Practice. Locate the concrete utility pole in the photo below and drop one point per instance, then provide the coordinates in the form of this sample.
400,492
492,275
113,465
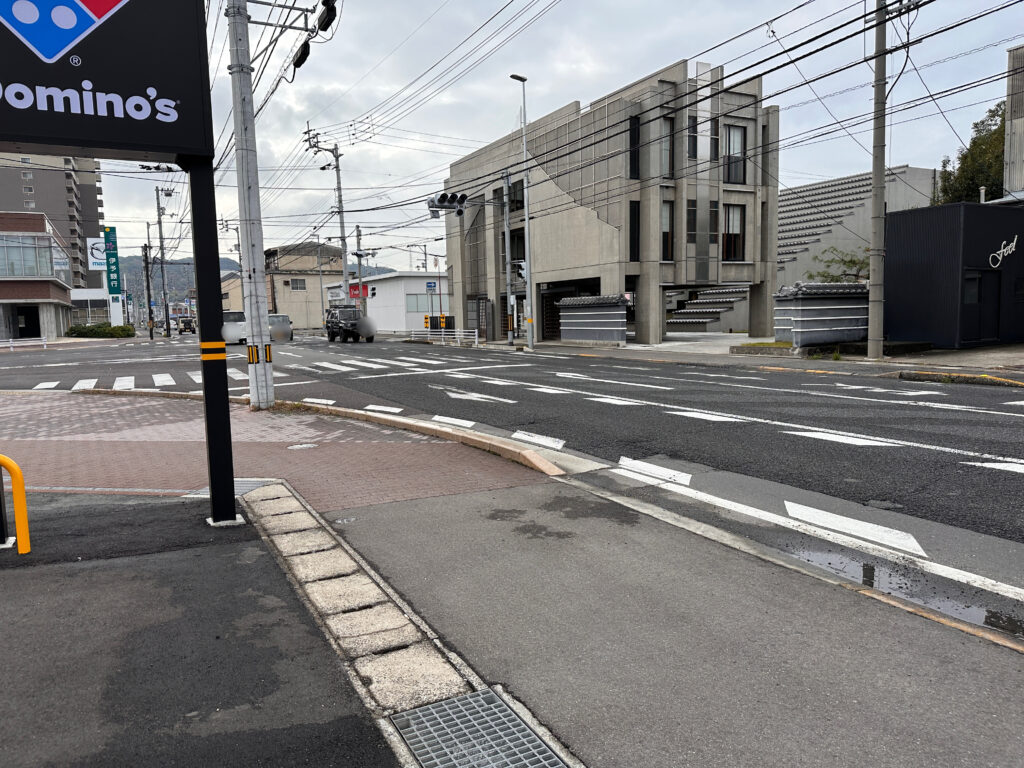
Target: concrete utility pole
510,297
149,290
876,281
261,375
163,257
313,142
320,269
359,260
527,272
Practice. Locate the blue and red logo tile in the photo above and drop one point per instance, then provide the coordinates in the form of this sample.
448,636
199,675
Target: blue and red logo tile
51,28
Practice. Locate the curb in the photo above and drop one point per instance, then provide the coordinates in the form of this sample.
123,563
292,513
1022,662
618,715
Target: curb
957,378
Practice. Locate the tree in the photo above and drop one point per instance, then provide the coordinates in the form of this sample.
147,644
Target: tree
841,266
979,165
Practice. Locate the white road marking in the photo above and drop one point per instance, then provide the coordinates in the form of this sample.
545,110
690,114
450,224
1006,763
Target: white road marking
550,391
461,376
287,354
674,487
317,401
196,376
879,390
1009,466
547,442
383,408
236,374
421,361
329,366
613,401
703,416
1015,402
124,383
889,537
452,420
476,396
662,473
679,521
396,361
279,375
361,363
849,440
46,385
720,375
499,383
306,368
84,384
163,380
447,373
609,381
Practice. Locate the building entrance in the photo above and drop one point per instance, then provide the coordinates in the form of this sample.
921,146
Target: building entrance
27,323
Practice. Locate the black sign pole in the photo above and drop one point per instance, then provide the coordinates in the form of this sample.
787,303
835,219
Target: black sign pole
212,349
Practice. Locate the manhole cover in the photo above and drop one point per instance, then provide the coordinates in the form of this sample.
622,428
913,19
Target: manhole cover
477,730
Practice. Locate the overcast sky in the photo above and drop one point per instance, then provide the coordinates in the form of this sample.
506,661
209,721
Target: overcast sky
569,50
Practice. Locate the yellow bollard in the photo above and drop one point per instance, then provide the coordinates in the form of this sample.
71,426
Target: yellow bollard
20,504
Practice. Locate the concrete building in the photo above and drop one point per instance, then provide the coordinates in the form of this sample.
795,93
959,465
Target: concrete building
35,278
1013,146
398,301
660,190
297,278
68,190
814,218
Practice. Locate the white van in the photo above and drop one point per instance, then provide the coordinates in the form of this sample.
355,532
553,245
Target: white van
233,330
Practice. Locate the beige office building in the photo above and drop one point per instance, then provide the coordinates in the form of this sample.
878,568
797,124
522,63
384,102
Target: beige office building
665,190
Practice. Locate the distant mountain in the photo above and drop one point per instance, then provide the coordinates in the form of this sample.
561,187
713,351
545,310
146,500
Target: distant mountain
179,272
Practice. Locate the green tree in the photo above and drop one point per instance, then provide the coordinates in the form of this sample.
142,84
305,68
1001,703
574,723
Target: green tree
980,165
841,266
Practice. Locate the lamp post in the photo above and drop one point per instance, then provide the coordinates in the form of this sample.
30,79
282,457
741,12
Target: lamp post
528,305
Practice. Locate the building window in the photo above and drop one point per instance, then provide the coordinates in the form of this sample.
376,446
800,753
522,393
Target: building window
691,221
30,204
634,147
668,154
667,217
691,137
735,152
634,230
298,283
26,175
713,222
516,201
735,229
26,159
714,138
24,256
225,296
28,190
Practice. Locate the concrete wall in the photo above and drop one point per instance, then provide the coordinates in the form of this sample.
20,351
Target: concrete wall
1013,155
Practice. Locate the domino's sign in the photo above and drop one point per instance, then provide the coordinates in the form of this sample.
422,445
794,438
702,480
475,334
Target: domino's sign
108,78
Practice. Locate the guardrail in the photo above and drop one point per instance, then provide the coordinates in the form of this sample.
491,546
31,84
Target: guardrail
446,336
20,509
12,343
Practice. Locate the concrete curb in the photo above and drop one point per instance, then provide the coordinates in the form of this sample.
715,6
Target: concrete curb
239,400
940,377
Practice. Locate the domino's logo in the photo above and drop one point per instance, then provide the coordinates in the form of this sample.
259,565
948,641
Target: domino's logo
51,28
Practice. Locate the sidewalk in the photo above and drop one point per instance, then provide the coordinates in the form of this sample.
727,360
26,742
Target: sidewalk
136,635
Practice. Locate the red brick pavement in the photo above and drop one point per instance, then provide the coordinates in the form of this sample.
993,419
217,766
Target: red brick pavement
85,441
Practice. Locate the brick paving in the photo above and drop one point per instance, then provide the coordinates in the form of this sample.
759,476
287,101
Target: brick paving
64,440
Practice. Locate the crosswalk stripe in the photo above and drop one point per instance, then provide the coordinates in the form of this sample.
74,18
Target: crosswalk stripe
362,363
124,382
421,361
332,367
849,440
400,363
46,385
196,376
84,384
236,374
163,380
279,375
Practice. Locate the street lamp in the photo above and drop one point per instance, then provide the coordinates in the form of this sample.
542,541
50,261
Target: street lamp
528,306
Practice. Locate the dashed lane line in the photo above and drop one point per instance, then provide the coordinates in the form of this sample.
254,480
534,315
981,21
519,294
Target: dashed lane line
453,421
704,416
847,439
531,437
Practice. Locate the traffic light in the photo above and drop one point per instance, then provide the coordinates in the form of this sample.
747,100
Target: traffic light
453,201
301,55
519,270
373,291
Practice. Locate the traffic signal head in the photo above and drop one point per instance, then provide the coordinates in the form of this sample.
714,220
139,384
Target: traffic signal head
454,201
301,55
373,291
327,15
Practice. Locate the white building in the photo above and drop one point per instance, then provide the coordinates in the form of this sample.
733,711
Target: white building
398,301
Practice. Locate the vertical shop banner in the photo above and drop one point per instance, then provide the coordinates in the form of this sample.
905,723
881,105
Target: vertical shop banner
114,286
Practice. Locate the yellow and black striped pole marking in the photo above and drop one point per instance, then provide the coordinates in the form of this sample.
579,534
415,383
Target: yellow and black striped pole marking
213,350
266,353
254,354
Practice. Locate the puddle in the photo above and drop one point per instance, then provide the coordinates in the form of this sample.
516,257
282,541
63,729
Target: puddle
950,598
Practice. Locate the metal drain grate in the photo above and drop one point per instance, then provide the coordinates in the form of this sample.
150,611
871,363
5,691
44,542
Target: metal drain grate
242,486
477,730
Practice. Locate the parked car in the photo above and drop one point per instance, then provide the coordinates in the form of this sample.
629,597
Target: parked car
186,324
281,328
233,330
347,322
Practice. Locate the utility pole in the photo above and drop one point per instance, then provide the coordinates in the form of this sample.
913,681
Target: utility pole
320,269
510,297
876,282
359,261
261,380
163,257
313,143
527,272
147,255
426,269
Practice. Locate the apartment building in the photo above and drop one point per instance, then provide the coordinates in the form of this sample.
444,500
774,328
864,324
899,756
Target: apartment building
665,190
35,277
835,214
68,190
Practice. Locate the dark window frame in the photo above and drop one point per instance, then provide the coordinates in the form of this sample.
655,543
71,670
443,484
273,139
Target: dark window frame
691,221
634,230
734,163
634,147
668,147
734,243
691,137
668,237
713,221
516,199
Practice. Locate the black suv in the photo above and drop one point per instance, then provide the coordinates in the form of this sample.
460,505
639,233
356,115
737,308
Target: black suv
346,323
